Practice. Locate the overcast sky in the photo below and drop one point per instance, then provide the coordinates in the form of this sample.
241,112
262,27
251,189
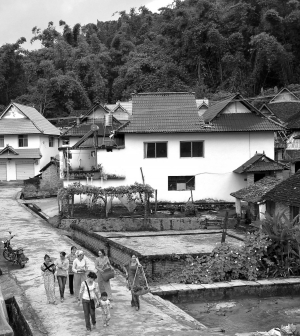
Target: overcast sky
18,17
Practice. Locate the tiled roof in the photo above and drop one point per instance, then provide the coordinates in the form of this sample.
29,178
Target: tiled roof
243,122
82,129
294,121
54,161
164,112
17,126
215,109
259,162
286,192
78,113
23,153
284,110
38,120
126,105
256,191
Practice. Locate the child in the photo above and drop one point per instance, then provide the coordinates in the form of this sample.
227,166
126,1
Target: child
105,305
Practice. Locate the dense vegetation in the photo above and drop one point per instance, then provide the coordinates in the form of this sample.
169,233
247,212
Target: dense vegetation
208,46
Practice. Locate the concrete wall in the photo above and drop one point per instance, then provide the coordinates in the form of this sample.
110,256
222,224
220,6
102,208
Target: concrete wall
223,153
136,224
5,329
51,178
46,151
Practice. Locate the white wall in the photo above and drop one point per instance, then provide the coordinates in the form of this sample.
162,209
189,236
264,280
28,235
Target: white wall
13,140
236,107
223,153
46,151
285,96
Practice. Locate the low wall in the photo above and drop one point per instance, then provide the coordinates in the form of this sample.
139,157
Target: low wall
17,319
138,224
155,267
5,329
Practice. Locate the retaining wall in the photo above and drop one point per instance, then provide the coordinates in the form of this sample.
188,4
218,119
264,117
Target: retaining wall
155,267
138,224
5,329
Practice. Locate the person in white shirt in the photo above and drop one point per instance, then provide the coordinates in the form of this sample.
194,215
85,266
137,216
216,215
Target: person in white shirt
79,268
89,292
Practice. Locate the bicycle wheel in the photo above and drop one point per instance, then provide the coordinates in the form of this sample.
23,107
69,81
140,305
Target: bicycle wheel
7,255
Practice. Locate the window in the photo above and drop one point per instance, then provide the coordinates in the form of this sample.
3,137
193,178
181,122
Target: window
181,183
191,149
1,140
155,150
51,141
66,142
23,140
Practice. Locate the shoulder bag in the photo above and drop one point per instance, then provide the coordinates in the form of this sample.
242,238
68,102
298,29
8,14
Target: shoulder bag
92,301
138,290
108,273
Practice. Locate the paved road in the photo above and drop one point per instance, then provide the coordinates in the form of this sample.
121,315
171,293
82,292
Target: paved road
66,319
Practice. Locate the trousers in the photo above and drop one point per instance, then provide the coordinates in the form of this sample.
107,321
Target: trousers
89,314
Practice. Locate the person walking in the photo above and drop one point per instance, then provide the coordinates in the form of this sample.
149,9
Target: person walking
71,257
48,270
62,266
89,292
133,279
105,306
101,264
79,268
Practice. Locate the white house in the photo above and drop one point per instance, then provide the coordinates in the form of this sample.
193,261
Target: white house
27,142
178,151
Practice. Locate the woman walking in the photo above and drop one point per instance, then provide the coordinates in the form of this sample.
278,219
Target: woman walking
88,293
79,268
101,264
71,257
133,279
48,270
62,266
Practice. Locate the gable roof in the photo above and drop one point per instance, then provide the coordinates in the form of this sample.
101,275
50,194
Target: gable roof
163,112
214,110
279,93
36,123
126,106
284,111
91,110
258,163
8,149
256,192
22,153
286,192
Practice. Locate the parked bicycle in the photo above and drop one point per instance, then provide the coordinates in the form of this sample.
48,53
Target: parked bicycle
16,256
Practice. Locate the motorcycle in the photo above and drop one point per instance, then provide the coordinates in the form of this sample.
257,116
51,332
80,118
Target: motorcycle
15,256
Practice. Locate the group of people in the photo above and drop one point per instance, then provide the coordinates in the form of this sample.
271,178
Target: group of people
88,292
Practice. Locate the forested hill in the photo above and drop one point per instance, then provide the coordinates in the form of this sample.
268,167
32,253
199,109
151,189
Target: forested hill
206,46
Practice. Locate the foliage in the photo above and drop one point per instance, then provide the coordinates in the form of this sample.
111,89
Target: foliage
227,262
210,47
189,209
283,255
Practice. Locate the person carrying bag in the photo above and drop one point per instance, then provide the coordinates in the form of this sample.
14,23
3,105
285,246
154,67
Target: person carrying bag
89,293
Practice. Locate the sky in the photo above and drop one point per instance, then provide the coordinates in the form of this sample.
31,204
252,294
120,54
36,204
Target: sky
18,17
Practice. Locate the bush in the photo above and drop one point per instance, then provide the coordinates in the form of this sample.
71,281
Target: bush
227,262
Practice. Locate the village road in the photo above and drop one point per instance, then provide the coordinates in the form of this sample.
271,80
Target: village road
66,319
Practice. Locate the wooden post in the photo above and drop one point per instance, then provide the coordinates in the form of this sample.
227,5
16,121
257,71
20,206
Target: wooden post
105,207
155,195
143,178
145,205
192,199
72,206
225,228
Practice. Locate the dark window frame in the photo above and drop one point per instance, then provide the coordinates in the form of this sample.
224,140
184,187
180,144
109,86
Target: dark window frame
191,149
188,179
23,140
1,140
155,143
66,142
51,141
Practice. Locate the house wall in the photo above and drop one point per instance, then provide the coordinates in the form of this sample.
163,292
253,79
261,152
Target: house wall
46,151
236,107
223,153
13,140
284,97
279,208
51,178
11,167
